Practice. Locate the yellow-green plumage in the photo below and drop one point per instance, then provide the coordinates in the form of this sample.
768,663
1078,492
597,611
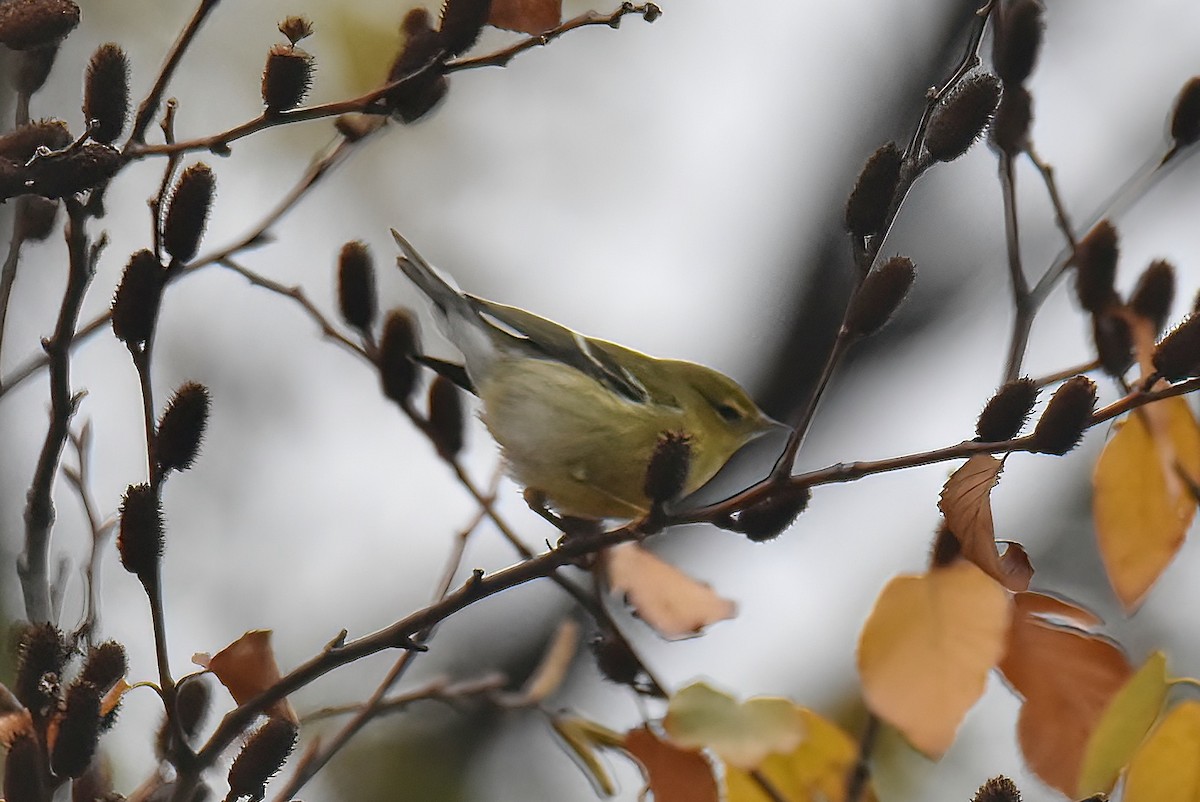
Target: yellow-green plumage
578,419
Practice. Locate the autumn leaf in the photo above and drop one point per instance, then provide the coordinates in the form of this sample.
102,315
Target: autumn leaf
1165,769
673,774
552,670
966,501
247,667
1141,507
667,599
526,16
742,734
1124,725
1067,677
815,771
582,738
926,650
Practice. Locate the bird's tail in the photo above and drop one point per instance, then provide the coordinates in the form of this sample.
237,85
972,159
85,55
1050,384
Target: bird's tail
458,318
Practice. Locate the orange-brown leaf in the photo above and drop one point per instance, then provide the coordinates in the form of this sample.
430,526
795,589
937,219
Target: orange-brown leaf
1142,507
926,650
966,501
1067,677
667,599
673,774
526,16
247,667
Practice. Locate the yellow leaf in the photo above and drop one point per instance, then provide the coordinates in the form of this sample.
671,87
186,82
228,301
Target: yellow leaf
581,738
926,650
1166,768
1141,507
1067,677
741,733
673,774
966,501
1129,716
815,771
673,603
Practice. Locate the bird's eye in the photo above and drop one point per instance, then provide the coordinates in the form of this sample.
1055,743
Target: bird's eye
729,413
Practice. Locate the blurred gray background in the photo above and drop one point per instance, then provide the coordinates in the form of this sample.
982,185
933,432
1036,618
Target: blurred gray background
677,187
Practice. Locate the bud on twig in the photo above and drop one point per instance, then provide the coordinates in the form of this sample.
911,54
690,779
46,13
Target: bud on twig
880,295
135,303
998,789
26,24
1185,120
23,770
141,538
1066,417
397,371
445,417
192,701
1154,293
187,212
21,143
415,98
41,656
666,474
78,731
1015,48
867,207
462,20
75,170
1006,413
767,519
1010,127
962,117
615,659
1095,261
296,28
35,217
106,93
33,68
1177,357
1114,343
105,665
182,428
287,77
356,286
263,755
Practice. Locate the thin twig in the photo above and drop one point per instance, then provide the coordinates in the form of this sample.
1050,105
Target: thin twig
8,273
1023,310
149,106
33,564
860,772
648,11
438,690
80,479
320,167
315,760
766,786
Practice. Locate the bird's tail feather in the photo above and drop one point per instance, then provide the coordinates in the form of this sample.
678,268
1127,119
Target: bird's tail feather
456,315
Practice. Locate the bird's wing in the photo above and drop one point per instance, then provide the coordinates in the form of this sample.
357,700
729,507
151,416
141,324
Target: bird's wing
545,339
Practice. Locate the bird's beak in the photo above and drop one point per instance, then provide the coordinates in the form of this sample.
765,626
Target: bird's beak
768,425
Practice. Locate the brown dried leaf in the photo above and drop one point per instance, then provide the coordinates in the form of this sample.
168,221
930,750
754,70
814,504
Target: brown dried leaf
526,16
670,601
672,774
1067,677
247,667
966,501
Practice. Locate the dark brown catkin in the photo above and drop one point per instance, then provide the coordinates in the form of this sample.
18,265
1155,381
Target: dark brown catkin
356,286
1017,42
262,756
140,538
462,20
869,201
962,117
287,77
78,731
425,84
1154,293
135,303
1095,261
446,423
1010,127
106,93
1007,411
998,789
1066,417
881,293
181,429
1185,118
397,346
187,212
27,24
1177,356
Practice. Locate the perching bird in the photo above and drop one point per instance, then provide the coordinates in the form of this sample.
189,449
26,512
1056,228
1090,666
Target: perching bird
578,419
